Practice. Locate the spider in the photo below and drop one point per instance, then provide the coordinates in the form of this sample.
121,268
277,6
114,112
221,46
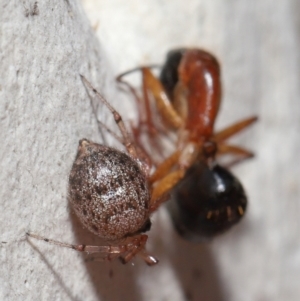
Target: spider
206,199
112,195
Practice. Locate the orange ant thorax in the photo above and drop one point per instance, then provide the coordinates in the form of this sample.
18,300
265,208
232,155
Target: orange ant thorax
199,75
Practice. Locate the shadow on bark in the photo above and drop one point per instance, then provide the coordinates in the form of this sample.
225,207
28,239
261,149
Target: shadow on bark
196,270
111,280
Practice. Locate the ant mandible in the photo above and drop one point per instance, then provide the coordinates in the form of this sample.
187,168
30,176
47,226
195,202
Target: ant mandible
206,199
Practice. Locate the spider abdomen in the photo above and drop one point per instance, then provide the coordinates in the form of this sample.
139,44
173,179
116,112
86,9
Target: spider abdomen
108,191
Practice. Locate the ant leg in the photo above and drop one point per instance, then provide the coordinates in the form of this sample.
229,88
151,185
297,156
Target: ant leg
164,106
120,76
118,119
243,154
164,168
161,190
224,148
165,110
183,158
233,149
166,180
152,86
233,129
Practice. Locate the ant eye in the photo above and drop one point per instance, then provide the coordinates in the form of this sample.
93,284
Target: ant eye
207,202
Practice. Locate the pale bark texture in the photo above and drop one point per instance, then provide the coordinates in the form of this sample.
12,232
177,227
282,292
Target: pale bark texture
45,110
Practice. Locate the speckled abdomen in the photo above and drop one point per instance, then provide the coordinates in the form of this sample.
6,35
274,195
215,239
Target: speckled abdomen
107,191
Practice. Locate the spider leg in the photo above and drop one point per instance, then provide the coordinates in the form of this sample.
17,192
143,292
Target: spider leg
117,117
131,247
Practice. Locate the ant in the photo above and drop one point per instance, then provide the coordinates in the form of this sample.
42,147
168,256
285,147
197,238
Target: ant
206,199
111,193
